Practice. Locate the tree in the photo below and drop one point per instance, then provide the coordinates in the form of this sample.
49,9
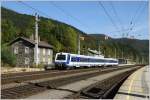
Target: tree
7,56
8,31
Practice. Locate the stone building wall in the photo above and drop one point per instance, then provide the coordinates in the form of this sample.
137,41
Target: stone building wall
21,55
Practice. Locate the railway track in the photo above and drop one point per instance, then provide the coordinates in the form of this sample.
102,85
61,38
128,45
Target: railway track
21,77
105,89
26,76
31,88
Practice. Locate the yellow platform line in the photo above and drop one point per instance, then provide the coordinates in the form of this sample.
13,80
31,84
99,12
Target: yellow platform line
130,86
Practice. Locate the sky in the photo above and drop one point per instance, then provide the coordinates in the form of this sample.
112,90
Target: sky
113,18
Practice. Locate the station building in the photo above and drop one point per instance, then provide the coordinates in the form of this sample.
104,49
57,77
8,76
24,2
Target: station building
23,48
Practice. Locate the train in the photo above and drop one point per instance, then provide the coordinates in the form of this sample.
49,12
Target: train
71,61
122,61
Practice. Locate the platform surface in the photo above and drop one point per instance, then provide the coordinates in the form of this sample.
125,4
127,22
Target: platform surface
136,87
68,89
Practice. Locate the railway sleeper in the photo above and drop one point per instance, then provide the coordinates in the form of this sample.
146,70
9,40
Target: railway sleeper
36,87
52,87
101,90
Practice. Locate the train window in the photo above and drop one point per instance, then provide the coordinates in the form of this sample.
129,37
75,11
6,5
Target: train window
61,57
84,59
112,61
92,60
99,60
81,59
106,61
73,59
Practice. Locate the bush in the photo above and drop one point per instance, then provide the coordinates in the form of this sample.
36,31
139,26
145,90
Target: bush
39,66
23,70
7,56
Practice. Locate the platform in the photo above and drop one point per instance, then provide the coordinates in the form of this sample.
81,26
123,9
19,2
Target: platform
136,86
65,90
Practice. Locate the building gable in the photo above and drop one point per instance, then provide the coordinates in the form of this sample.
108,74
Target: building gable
32,42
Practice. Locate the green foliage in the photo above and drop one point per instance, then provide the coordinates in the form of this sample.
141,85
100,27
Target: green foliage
8,31
58,34
64,37
7,56
39,66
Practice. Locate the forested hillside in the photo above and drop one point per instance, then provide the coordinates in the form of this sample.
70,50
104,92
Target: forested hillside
64,37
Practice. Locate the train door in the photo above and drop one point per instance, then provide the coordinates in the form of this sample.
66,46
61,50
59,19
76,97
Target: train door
68,58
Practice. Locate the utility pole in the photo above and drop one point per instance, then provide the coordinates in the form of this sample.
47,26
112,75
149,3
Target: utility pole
99,47
122,54
142,59
36,40
115,53
78,43
137,60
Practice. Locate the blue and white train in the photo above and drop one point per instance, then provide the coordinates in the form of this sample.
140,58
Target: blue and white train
69,61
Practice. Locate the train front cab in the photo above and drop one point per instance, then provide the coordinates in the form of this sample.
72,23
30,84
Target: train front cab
62,61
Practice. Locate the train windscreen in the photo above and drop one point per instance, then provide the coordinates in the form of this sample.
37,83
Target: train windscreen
61,57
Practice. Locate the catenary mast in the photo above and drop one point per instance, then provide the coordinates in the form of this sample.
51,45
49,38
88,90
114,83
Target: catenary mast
36,40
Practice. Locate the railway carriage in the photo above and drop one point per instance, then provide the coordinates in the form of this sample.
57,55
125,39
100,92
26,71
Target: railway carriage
68,61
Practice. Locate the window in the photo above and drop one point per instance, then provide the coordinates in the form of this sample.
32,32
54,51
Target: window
96,60
43,59
49,60
26,50
84,60
27,60
61,57
49,52
73,59
112,61
43,51
16,50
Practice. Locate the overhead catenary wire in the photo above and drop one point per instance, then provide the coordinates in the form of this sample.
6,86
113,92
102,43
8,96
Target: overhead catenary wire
132,22
117,17
74,18
136,18
36,10
43,13
135,14
110,18
140,14
120,30
70,15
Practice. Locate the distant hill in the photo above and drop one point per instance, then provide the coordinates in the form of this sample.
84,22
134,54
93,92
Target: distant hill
140,47
55,32
99,36
64,37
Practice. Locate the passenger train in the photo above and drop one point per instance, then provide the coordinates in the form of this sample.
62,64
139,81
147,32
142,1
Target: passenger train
69,61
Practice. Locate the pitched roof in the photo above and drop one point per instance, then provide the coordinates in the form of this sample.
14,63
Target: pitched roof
40,43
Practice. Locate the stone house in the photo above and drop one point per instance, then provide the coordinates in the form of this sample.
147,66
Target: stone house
23,48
